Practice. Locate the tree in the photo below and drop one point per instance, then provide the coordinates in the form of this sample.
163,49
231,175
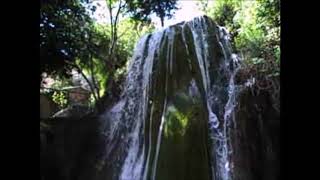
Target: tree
60,36
254,27
142,9
121,43
69,40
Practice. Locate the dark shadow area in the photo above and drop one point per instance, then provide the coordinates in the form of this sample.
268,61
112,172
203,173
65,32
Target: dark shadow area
68,148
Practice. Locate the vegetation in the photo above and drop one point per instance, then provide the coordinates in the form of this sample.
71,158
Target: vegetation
254,27
70,39
141,10
77,50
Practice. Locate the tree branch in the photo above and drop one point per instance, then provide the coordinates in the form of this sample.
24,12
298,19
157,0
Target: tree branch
61,90
53,89
114,24
93,77
111,20
87,80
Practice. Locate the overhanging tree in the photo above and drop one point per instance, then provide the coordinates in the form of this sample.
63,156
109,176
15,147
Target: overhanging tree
142,9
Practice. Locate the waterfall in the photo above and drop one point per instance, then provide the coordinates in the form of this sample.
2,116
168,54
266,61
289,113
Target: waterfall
176,114
219,129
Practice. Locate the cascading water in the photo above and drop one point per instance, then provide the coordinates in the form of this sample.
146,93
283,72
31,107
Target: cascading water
218,129
176,115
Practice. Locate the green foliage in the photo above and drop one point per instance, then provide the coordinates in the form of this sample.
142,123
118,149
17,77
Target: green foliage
125,44
176,122
56,92
141,10
60,98
250,35
64,30
61,82
254,28
129,38
71,40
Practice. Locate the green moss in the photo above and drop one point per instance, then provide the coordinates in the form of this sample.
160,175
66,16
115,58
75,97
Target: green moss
176,122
